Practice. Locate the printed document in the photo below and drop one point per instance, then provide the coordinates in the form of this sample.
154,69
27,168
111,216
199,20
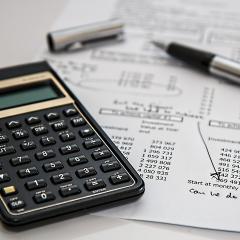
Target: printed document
178,127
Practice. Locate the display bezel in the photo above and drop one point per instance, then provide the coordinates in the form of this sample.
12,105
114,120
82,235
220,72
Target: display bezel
31,86
34,78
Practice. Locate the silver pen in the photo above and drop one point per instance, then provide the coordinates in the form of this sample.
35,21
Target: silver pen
206,61
84,35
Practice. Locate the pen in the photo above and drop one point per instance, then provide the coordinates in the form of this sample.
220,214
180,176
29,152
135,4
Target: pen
206,61
84,35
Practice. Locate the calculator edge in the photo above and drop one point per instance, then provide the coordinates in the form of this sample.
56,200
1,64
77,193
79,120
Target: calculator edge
60,212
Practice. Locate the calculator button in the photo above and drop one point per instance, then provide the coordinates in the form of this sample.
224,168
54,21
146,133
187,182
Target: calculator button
16,204
78,121
43,197
28,145
67,136
39,130
86,132
4,178
45,154
102,154
46,141
13,124
9,190
20,134
94,185
69,149
110,166
7,150
3,138
52,166
58,126
119,178
36,184
96,142
73,161
27,172
33,120
20,160
60,178
52,116
69,190
70,112
86,172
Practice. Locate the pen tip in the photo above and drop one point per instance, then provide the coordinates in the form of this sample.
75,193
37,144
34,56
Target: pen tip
161,44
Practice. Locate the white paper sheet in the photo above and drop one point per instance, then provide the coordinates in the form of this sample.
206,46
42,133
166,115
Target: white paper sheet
178,127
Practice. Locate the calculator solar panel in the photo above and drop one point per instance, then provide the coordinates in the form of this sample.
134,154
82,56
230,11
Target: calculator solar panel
54,157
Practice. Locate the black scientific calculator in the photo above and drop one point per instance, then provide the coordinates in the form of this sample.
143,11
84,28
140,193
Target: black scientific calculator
54,157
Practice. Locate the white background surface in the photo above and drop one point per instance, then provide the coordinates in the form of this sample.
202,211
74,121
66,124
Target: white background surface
23,26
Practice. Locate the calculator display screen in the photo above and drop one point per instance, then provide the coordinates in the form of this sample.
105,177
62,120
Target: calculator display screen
24,95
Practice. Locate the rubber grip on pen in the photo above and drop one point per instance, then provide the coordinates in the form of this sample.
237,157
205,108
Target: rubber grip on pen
197,58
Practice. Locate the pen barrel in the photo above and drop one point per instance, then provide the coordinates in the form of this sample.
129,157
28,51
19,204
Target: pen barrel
64,39
225,68
197,58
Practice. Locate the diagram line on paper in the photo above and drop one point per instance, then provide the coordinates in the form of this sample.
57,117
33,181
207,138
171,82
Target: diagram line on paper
215,174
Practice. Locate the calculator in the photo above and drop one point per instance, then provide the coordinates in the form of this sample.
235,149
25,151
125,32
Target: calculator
54,157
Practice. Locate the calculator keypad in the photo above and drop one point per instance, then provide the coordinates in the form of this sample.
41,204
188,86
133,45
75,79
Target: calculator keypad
43,197
52,166
27,172
4,178
46,141
52,116
6,150
69,190
9,190
16,204
92,143
13,124
102,154
20,160
86,172
46,154
53,156
20,134
28,145
40,130
3,138
33,120
36,184
69,149
77,160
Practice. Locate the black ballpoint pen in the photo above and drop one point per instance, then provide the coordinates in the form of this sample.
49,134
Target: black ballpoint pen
207,61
